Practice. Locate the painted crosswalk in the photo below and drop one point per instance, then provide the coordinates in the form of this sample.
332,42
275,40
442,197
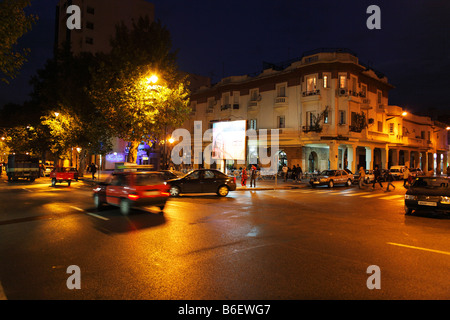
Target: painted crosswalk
369,194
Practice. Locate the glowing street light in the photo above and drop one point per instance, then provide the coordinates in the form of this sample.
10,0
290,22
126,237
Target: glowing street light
153,79
404,114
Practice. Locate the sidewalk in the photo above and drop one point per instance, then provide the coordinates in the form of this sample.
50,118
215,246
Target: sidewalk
260,184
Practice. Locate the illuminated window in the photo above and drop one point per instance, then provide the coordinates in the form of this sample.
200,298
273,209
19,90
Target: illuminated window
342,82
253,124
325,81
311,84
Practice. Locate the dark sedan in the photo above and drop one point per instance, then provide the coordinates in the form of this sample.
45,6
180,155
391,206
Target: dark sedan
203,181
429,194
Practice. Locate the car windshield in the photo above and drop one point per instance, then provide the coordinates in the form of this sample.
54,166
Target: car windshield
148,179
328,173
395,170
432,183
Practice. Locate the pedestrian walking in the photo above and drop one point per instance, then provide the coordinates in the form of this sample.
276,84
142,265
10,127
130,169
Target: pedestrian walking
406,175
294,173
389,179
93,170
253,175
362,177
244,177
285,172
377,178
299,173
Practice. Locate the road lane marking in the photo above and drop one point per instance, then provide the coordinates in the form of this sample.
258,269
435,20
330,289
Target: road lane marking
90,213
419,248
397,196
26,189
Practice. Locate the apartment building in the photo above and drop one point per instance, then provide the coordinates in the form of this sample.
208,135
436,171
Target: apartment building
331,111
98,21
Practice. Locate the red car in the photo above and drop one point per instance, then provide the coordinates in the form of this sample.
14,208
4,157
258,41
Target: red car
60,174
132,189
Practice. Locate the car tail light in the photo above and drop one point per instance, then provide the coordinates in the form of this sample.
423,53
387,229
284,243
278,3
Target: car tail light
133,197
234,178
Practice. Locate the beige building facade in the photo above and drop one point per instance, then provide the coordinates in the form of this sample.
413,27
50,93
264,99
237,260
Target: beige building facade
331,111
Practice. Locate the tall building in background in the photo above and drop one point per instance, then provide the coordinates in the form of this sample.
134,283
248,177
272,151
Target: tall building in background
98,21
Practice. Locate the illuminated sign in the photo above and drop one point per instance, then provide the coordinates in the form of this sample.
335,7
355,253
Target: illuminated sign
229,140
115,157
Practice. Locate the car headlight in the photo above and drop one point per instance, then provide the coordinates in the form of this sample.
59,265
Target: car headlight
410,197
445,200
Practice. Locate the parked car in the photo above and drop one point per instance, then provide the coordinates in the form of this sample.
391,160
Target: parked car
171,174
61,174
203,181
128,190
331,178
397,172
428,194
416,172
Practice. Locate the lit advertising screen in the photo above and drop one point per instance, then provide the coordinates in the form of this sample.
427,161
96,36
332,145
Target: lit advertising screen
229,140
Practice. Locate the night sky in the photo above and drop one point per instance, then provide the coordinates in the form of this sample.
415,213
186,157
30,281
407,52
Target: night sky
224,38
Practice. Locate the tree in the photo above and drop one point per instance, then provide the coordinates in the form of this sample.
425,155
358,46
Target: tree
135,108
14,23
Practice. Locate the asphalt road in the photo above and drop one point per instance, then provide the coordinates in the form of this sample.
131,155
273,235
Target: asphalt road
274,244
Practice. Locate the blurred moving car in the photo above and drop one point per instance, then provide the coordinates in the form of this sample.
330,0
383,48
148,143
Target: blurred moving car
428,194
203,181
129,190
331,178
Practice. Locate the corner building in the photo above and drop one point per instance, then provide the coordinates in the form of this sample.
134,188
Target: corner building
332,112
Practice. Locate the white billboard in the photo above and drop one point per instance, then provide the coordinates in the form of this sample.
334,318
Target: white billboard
229,140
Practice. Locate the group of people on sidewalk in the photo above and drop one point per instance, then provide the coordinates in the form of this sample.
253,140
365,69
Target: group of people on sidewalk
253,175
388,177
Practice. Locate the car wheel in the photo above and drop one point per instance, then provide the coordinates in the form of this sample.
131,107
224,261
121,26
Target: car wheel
331,184
125,207
349,183
408,211
97,202
68,183
53,182
223,191
174,191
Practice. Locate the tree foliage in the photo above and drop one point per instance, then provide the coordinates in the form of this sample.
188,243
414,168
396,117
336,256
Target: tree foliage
14,23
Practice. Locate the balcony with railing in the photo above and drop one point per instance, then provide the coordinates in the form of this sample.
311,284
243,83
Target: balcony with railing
281,102
311,95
